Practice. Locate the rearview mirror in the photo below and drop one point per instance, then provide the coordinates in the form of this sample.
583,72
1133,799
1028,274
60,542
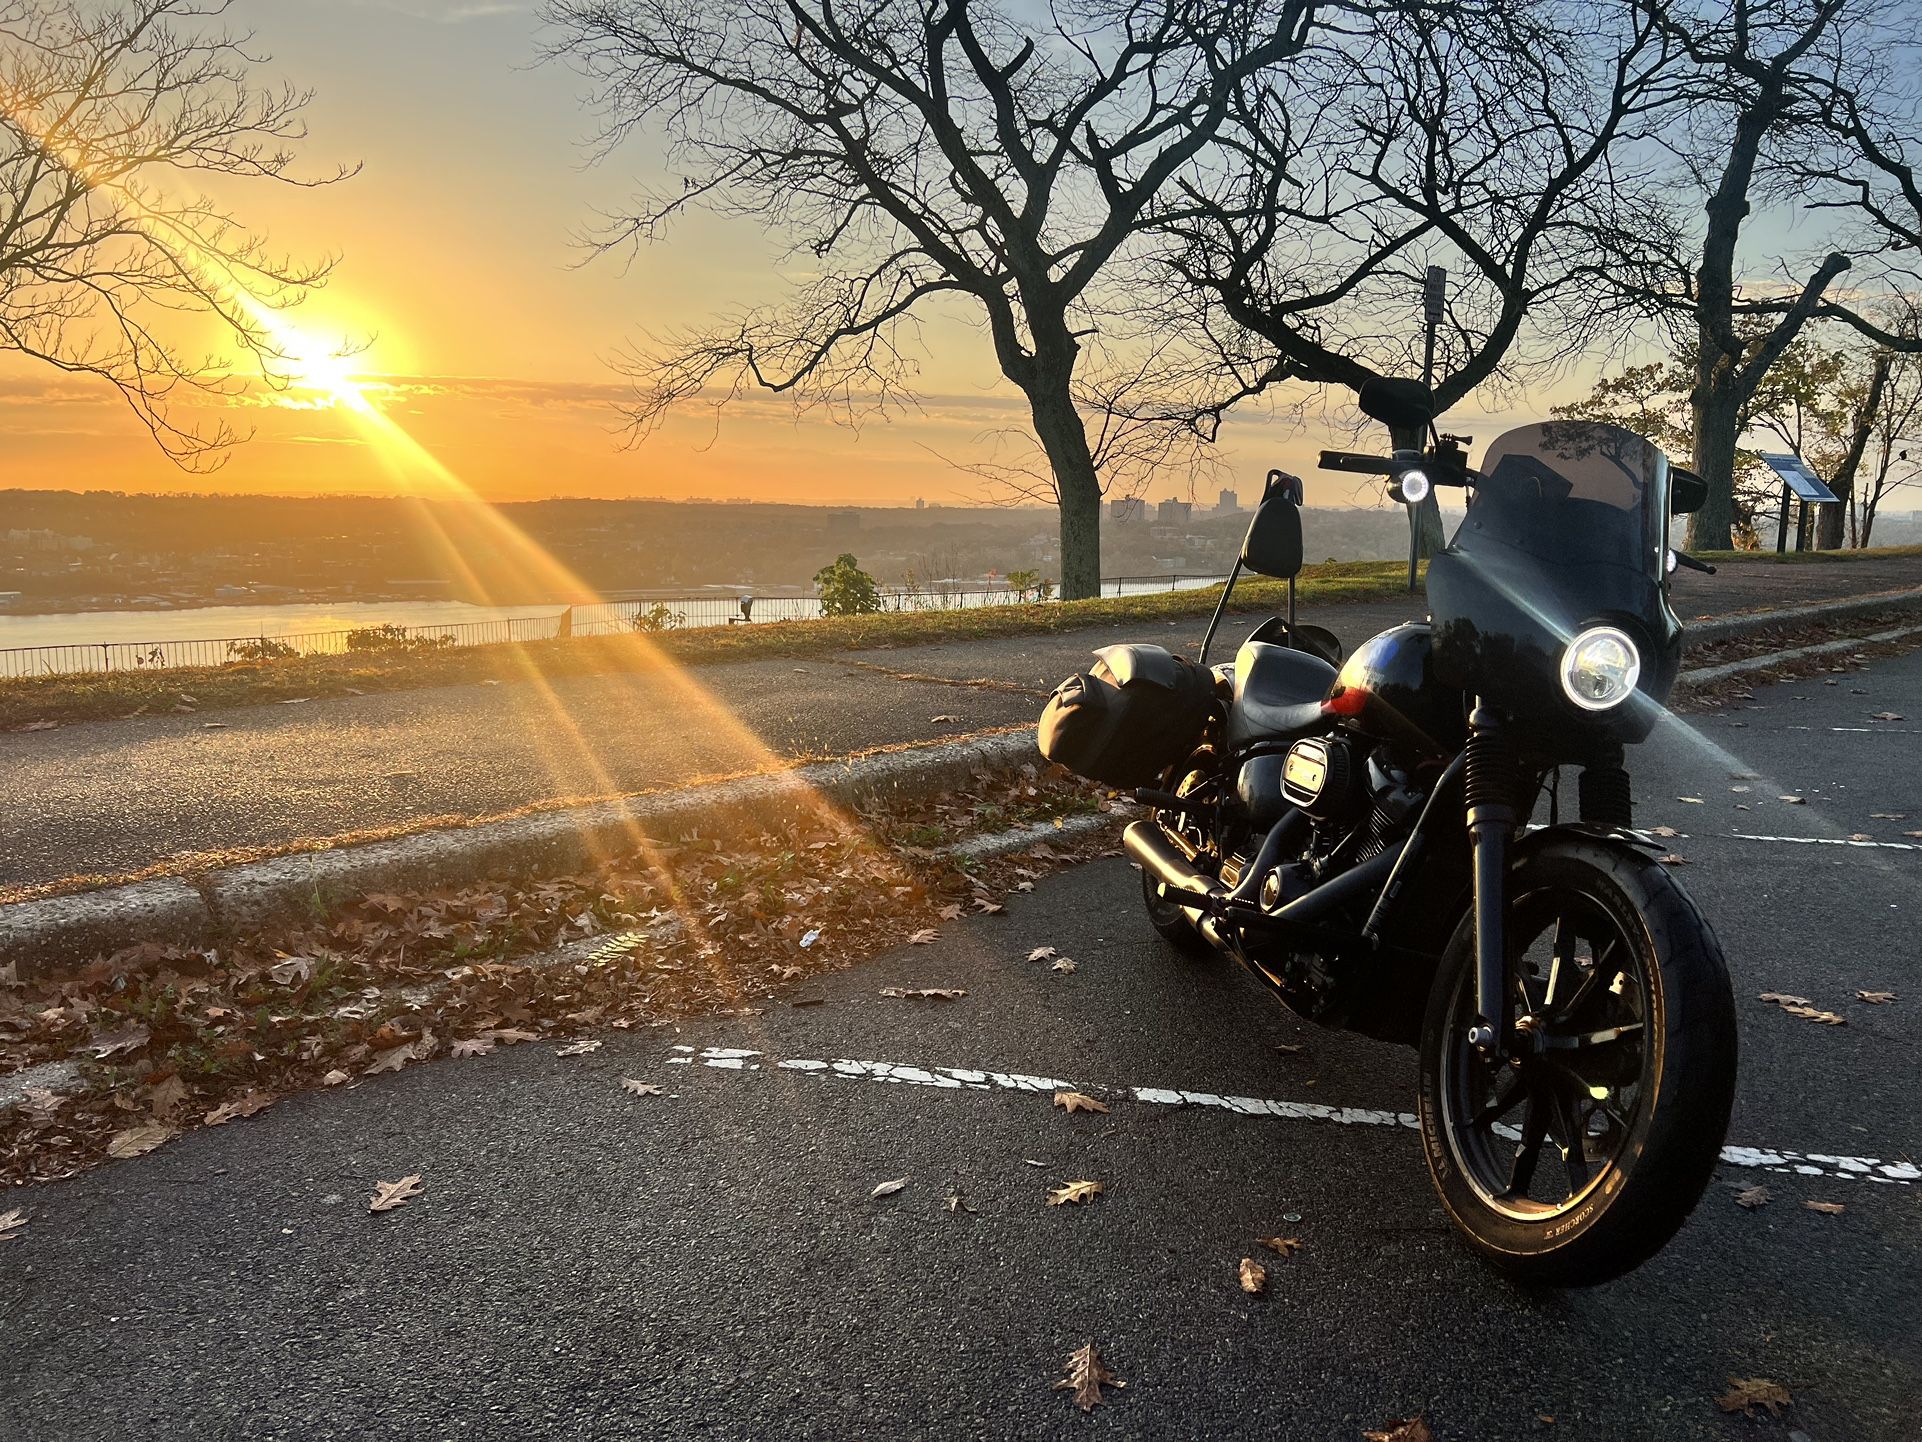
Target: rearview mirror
1272,546
1687,492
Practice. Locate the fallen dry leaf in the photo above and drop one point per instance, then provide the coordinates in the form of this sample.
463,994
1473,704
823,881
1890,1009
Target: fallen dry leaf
127,1038
241,1106
138,1141
888,1189
1831,1209
933,993
1286,1246
1913,833
1076,1192
1062,963
1816,1014
12,1224
511,1036
1401,1429
1884,716
1888,816
1794,800
1674,858
1254,1277
950,912
1692,800
388,1195
166,1097
472,1046
334,1078
1782,998
1665,832
1043,953
1752,1198
1288,1048
578,1048
1086,1377
1875,998
1860,836
955,1202
1747,1393
1078,1102
640,1088
927,936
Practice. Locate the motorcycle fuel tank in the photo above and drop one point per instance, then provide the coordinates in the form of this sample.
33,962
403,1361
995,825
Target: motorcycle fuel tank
1388,690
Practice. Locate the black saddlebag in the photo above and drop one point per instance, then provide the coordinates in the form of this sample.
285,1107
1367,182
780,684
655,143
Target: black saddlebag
1137,712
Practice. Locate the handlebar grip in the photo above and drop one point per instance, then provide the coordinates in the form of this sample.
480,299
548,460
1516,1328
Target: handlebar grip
1356,461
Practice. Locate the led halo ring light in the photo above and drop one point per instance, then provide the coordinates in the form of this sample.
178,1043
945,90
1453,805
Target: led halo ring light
1413,487
1599,668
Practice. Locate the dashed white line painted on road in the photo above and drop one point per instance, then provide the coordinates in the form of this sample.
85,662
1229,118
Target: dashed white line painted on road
1829,841
954,1078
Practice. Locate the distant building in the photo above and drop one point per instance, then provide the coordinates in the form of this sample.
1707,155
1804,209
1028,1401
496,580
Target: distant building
1177,513
919,504
1227,503
1131,508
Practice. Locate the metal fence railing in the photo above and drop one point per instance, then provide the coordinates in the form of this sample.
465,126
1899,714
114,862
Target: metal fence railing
599,619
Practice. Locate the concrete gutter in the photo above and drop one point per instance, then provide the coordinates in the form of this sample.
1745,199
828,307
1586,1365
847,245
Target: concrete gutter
48,937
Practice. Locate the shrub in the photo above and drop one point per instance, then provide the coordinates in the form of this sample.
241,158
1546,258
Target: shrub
657,617
261,648
1030,586
846,589
390,637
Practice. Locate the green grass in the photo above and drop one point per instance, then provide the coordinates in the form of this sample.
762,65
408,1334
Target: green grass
94,696
1806,558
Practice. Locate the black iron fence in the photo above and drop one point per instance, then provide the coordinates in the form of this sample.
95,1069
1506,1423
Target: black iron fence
599,619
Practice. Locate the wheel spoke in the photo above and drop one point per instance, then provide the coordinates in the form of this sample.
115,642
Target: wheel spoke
1572,1138
1590,1040
1562,956
1507,1091
1534,1132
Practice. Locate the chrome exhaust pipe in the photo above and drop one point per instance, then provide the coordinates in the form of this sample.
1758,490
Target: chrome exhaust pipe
1180,881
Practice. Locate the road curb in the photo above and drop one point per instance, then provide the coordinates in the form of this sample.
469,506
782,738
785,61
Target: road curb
41,939
1729,628
44,938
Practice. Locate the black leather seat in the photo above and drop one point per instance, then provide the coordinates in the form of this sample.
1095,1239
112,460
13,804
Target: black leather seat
1278,693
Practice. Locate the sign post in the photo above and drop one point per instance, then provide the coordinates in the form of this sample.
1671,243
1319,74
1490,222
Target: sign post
1804,487
1434,302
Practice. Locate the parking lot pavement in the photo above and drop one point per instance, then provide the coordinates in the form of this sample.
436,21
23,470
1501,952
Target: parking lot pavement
585,1262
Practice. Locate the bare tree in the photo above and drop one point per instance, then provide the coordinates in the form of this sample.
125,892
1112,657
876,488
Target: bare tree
1495,141
109,115
1779,99
911,150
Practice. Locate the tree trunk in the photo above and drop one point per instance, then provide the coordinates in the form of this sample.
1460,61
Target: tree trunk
1064,439
1829,535
1718,426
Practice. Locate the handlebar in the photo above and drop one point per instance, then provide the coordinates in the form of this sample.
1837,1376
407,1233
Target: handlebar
1682,558
1356,461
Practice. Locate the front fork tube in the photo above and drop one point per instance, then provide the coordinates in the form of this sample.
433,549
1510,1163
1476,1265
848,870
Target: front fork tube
1491,830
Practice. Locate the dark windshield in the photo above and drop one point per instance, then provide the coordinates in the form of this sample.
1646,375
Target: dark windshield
1573,492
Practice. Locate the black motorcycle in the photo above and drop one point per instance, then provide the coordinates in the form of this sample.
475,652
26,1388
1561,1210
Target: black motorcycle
1385,840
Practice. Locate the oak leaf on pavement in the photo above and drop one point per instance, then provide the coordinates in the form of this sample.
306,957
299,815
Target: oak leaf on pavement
637,1088
1833,1209
1875,998
389,1195
1745,1394
1286,1246
1086,1376
138,1141
1078,1102
1075,1192
1752,1198
12,1224
1254,1277
1401,1429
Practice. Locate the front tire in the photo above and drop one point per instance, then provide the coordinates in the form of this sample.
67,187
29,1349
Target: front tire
1578,1162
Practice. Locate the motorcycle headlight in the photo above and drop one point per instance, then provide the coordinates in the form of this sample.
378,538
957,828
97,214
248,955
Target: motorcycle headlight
1599,668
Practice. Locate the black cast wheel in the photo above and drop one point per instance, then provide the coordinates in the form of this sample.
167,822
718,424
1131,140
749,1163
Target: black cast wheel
1579,1157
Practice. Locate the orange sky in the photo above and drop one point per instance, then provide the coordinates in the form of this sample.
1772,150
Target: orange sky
486,340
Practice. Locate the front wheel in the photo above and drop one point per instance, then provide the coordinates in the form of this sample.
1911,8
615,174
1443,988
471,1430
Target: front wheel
1577,1159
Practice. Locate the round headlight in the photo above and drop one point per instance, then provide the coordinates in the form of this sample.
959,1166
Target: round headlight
1414,487
1599,668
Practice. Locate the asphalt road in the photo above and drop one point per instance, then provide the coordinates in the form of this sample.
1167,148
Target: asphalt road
112,797
588,1264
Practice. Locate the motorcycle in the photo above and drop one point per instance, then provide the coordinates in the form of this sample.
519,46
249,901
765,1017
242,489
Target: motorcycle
1360,833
